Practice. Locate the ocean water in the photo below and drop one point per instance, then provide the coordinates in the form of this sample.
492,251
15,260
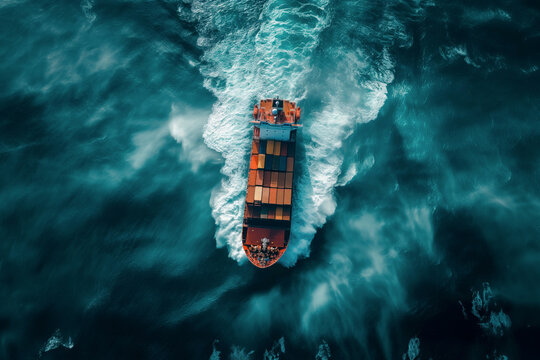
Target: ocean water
124,141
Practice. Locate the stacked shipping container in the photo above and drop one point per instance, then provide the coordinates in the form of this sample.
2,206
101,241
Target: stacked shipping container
270,180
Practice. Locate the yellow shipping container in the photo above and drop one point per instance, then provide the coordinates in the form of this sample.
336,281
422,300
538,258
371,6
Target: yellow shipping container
279,213
270,147
258,193
277,148
260,163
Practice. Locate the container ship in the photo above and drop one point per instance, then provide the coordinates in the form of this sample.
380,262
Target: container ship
268,208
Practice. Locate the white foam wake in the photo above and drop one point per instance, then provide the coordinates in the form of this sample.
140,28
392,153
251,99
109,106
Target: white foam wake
355,92
55,341
356,67
251,52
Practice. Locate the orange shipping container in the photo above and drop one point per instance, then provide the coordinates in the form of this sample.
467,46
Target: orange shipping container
265,195
255,147
270,147
288,180
253,162
277,148
260,164
259,179
279,199
274,181
258,193
250,194
252,177
279,213
287,197
290,163
273,196
281,180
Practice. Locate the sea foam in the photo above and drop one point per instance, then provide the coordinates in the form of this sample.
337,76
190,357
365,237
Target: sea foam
255,52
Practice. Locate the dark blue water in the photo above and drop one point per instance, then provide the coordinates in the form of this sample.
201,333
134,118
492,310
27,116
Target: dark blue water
124,139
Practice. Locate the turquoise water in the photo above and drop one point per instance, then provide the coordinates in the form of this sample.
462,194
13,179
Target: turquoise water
124,145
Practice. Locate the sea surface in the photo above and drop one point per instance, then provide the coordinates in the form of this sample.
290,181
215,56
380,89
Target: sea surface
124,145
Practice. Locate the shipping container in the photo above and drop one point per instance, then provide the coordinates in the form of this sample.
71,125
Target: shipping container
290,149
267,178
284,146
256,212
287,197
280,193
277,148
255,147
272,213
261,161
259,179
274,181
250,194
258,193
252,178
290,163
288,180
265,195
282,163
270,147
268,162
279,213
253,162
275,163
273,196
281,180
286,213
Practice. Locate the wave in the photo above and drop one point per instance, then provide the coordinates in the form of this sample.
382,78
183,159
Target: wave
493,322
354,90
55,341
87,8
413,350
240,353
324,352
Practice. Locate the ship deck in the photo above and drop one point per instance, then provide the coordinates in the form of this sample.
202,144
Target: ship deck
268,206
287,116
267,213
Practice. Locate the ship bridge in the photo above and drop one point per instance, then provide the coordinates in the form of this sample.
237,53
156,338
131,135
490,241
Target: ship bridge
276,119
